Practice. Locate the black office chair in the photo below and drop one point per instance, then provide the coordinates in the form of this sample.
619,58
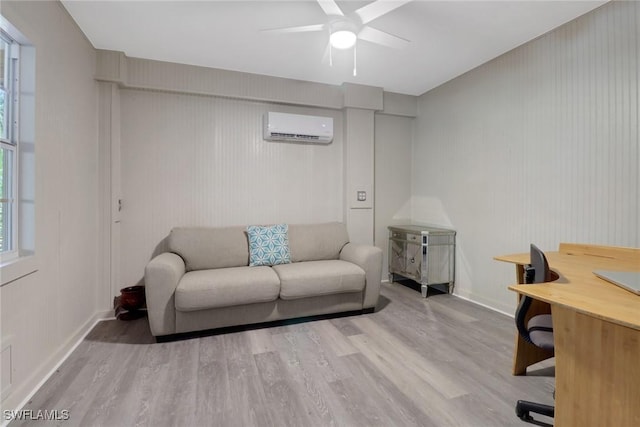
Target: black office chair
538,331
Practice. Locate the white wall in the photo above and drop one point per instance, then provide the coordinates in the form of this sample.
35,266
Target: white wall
190,160
45,312
539,145
188,142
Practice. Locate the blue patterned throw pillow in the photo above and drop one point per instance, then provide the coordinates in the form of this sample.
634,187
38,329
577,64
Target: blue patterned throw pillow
268,245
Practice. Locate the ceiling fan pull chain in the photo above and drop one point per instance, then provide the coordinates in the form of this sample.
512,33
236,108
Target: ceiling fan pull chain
355,46
330,49
330,56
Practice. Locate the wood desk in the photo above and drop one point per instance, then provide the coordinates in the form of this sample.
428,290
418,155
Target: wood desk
596,328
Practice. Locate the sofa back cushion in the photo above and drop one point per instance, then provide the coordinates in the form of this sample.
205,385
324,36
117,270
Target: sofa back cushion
207,247
203,248
315,242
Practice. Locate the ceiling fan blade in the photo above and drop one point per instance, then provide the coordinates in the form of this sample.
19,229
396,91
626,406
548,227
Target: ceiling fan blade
301,29
330,7
378,8
380,37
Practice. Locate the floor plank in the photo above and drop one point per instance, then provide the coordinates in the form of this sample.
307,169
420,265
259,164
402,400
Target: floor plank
440,361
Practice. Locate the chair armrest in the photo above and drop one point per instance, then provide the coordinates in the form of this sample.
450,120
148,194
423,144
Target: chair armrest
369,258
161,277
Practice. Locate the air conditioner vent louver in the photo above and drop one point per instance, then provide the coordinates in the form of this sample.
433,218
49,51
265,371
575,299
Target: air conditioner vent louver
297,128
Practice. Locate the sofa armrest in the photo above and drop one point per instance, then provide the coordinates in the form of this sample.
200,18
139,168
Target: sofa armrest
369,258
161,277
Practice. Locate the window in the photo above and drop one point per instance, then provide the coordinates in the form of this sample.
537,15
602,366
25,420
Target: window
8,145
17,154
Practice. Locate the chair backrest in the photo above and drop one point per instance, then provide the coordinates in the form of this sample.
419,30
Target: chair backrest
540,265
542,274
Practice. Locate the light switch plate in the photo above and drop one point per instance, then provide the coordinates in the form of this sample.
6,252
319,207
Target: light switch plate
362,196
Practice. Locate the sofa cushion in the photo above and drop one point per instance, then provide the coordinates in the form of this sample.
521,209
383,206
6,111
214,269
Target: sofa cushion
316,278
202,248
268,245
313,242
225,287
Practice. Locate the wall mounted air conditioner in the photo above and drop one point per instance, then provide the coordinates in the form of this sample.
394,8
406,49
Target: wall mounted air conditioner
297,128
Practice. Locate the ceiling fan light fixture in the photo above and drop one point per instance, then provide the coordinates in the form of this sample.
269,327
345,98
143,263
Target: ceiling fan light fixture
343,39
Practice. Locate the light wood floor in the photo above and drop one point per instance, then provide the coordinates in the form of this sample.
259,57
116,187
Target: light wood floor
439,361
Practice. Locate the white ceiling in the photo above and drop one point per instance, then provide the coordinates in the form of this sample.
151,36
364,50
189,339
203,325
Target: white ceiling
447,38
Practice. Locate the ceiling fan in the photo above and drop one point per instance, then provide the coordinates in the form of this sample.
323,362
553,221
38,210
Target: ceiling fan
345,30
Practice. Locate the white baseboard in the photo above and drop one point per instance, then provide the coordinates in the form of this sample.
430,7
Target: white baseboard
466,298
18,398
472,300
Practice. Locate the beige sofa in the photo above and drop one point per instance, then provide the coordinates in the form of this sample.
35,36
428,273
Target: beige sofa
205,280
